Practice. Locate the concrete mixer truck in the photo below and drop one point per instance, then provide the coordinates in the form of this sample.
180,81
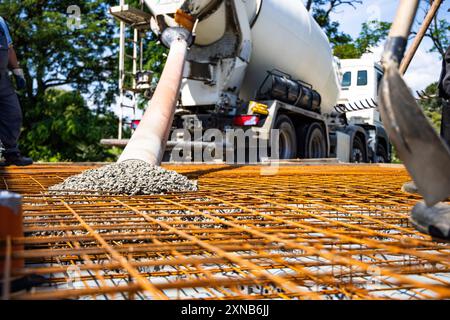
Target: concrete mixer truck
258,65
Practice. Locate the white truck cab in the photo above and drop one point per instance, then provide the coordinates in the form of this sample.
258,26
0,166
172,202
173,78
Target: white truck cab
359,87
362,130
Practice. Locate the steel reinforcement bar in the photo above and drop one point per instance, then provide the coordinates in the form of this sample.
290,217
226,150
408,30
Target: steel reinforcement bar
300,232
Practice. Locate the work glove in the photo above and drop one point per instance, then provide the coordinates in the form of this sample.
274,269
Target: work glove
20,79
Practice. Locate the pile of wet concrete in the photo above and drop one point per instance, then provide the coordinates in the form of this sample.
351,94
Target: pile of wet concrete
132,177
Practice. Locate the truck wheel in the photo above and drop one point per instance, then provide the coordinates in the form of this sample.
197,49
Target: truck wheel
288,138
313,144
358,151
381,156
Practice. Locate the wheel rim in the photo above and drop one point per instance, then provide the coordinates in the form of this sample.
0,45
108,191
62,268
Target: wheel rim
316,148
381,159
358,155
285,145
381,156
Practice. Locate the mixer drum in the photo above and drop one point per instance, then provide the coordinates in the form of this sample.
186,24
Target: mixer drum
284,36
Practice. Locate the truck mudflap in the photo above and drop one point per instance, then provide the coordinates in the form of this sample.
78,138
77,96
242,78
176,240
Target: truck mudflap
359,143
382,140
372,139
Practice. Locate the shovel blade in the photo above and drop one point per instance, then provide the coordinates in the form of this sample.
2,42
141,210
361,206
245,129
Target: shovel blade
423,153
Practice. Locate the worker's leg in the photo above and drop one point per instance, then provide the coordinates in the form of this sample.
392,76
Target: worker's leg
410,187
10,123
445,124
434,221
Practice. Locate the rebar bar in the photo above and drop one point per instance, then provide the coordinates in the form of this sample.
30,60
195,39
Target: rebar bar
320,232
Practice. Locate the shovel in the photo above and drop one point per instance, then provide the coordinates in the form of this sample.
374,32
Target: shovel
423,153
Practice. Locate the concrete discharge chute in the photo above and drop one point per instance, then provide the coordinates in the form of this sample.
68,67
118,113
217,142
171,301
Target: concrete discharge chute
150,138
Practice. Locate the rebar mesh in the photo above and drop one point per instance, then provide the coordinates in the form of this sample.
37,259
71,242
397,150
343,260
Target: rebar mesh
320,232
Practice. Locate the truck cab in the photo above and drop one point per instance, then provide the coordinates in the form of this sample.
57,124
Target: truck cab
360,81
362,121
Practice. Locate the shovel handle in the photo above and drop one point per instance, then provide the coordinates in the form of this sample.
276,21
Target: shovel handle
401,27
419,37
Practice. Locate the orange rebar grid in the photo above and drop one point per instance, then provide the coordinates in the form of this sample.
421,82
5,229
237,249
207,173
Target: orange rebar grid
321,232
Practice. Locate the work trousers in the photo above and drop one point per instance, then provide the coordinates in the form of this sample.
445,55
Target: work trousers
10,117
445,124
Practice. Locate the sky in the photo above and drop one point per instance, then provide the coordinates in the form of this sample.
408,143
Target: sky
425,67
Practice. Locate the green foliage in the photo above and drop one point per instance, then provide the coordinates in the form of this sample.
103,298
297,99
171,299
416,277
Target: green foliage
54,54
439,33
346,51
394,156
321,11
372,33
62,128
439,29
344,46
432,106
58,125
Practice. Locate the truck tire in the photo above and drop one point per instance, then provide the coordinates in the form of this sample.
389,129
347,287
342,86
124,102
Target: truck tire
288,138
313,144
381,156
358,154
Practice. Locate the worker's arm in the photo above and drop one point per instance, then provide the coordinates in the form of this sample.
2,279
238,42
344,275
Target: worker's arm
13,64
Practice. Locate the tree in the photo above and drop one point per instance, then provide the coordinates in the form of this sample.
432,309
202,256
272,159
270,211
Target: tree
431,105
321,11
65,129
56,51
372,33
344,46
330,5
438,32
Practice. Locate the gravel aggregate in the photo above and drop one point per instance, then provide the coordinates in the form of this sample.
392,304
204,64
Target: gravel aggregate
132,177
